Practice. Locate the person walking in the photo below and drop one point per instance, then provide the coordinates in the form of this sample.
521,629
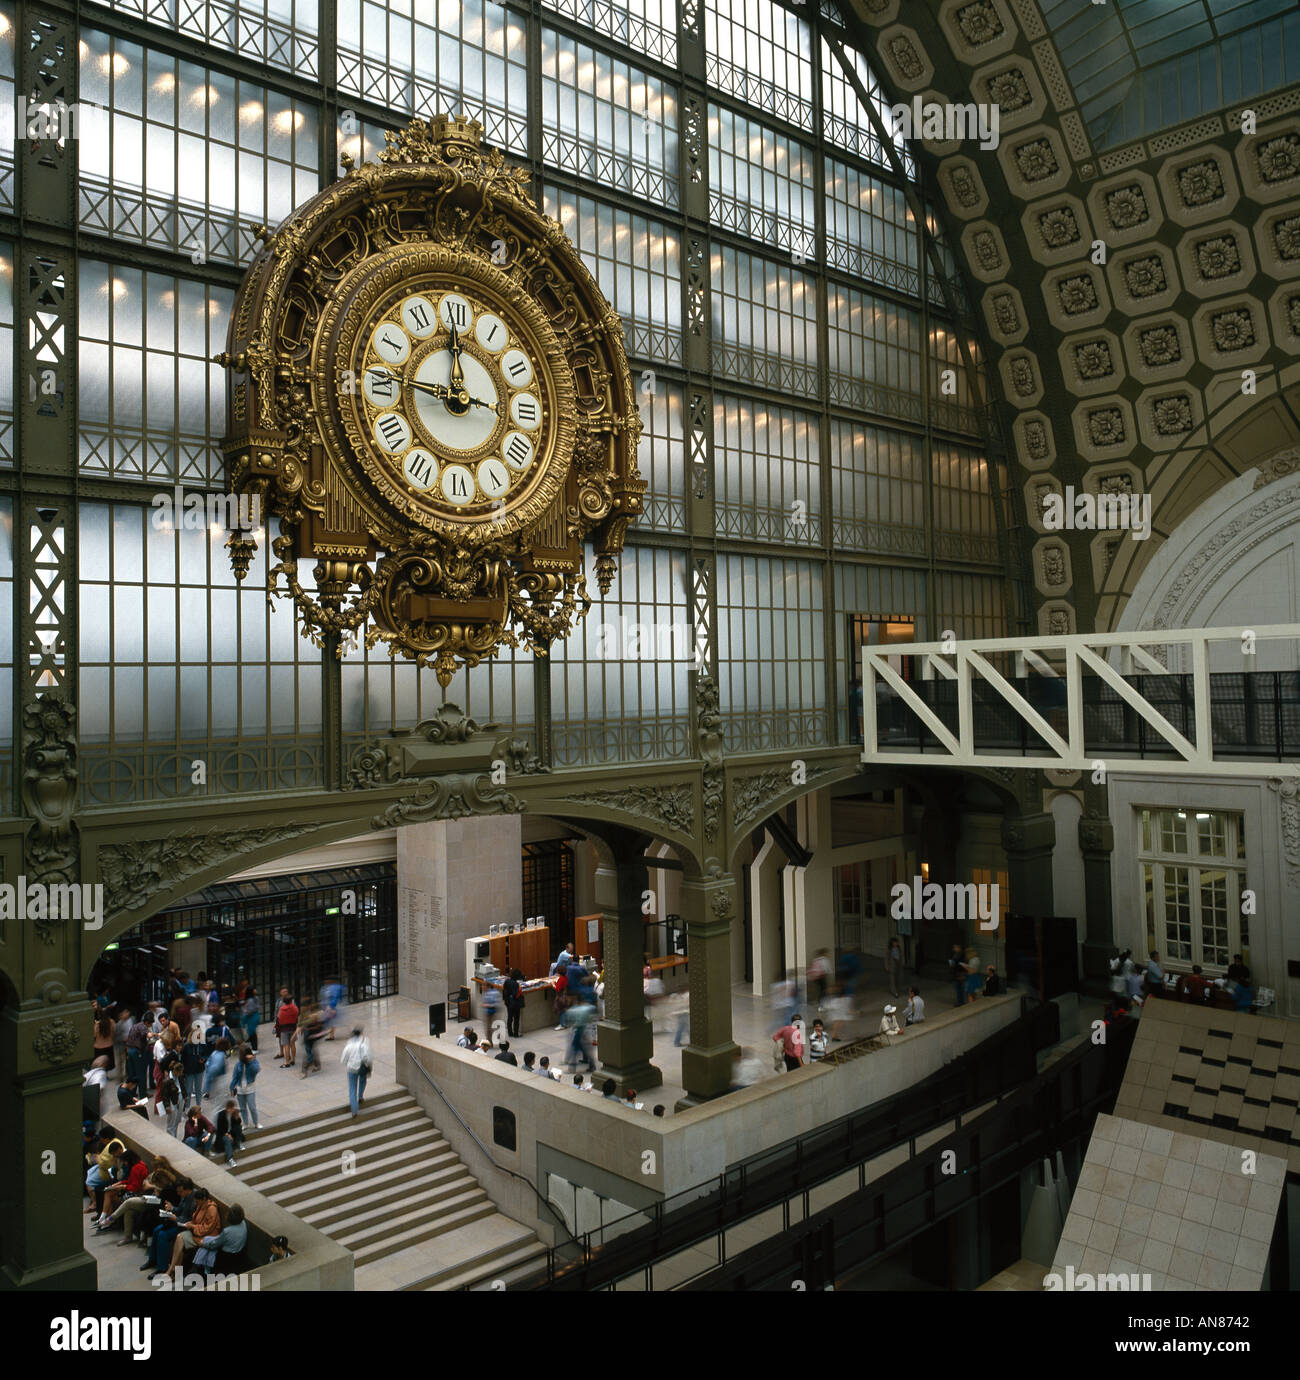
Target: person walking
819,971
957,972
137,1058
512,992
125,1020
579,1017
173,1099
894,966
105,1034
215,1067
194,1054
286,1027
250,1014
359,1062
312,1030
241,1085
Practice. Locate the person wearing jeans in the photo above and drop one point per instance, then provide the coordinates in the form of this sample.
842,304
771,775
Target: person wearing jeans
241,1085
198,1130
356,1059
215,1067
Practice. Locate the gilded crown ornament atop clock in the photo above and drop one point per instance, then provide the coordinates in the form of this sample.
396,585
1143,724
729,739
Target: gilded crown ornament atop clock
427,389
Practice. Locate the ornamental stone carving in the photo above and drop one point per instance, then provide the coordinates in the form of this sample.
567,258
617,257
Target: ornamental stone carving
1286,237
55,1041
1037,441
754,796
1009,90
1145,277
1285,462
1232,330
1160,346
1036,160
986,251
1093,360
49,787
1096,834
1288,799
979,23
450,797
708,733
1217,257
1200,184
1278,159
669,806
1106,426
1172,414
1126,207
1077,294
905,57
1059,228
132,872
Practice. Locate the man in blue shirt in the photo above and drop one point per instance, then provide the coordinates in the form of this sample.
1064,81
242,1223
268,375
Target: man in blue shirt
1155,974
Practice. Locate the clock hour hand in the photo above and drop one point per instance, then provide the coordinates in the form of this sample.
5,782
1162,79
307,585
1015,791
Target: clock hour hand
457,380
436,389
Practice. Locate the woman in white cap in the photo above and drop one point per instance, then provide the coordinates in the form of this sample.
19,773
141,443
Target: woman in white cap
889,1022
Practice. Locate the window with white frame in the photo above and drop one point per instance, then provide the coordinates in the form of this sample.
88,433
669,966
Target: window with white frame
1193,869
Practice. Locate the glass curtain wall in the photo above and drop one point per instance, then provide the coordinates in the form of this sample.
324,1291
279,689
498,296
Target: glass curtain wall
822,386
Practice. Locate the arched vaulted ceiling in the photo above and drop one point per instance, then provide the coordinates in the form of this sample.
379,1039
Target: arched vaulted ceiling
1133,373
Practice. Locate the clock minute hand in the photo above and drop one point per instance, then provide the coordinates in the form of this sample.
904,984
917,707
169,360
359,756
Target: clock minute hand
454,347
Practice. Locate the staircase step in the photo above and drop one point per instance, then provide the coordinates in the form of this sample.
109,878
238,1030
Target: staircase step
288,1133
313,1139
369,1154
413,1236
340,1222
310,1198
380,1228
507,1262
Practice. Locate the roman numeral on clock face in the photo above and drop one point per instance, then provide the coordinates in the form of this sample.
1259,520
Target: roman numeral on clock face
392,432
517,451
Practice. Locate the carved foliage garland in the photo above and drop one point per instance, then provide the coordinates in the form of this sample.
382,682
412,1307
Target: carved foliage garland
666,805
708,732
55,1041
50,795
133,872
441,585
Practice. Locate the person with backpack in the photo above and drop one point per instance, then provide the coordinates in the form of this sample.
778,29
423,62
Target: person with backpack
359,1063
194,1054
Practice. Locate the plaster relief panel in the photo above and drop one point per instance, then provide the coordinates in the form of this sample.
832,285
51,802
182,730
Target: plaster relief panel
1057,231
978,29
1159,348
1199,188
1269,162
1125,209
963,188
1277,237
1104,428
1013,86
905,58
1035,442
1034,162
1052,573
1231,334
1168,417
1021,379
1216,259
1077,296
1005,314
986,251
1143,280
1091,363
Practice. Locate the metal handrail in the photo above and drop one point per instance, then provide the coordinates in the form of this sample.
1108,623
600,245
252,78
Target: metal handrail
505,1169
901,1117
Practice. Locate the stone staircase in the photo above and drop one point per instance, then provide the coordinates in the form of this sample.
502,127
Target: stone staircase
406,1188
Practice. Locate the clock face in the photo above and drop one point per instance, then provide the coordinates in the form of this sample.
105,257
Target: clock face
456,402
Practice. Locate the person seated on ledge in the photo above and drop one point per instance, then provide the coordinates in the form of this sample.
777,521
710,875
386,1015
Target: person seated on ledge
993,985
280,1248
1192,986
817,1041
1238,972
914,1011
229,1241
629,1100
889,1022
505,1057
206,1221
659,1109
544,1066
468,1038
198,1131
609,1090
529,1060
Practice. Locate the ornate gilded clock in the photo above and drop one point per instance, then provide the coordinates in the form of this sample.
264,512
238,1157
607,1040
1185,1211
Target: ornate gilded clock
429,392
